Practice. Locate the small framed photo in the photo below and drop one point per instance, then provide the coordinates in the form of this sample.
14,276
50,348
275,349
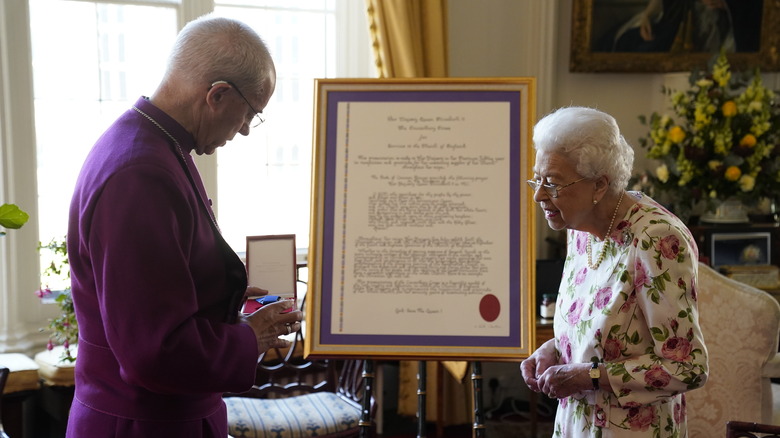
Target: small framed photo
271,264
739,249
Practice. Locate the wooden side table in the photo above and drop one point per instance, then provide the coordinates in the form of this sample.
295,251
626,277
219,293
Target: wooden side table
57,388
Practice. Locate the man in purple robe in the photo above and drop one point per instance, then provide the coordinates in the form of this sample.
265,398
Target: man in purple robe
157,290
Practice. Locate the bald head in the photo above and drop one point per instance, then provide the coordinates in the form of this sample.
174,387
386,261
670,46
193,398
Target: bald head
220,75
215,48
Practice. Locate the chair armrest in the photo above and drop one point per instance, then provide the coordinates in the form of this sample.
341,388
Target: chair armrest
772,367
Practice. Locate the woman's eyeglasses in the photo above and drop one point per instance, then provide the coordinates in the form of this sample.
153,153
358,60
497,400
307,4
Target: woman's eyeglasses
551,189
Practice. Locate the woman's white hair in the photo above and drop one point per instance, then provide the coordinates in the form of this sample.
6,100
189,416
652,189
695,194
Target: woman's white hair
591,139
213,48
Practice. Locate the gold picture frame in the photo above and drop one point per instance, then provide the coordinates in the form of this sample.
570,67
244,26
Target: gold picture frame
417,194
591,27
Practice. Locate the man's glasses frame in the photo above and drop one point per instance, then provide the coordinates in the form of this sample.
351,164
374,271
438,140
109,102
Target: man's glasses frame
258,120
551,189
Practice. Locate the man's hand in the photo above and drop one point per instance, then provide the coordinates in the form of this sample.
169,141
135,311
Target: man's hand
270,321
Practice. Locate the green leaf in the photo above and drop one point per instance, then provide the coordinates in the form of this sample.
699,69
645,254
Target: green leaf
12,216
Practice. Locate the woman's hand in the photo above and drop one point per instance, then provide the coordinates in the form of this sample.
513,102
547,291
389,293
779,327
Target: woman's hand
560,381
533,367
653,8
646,28
271,321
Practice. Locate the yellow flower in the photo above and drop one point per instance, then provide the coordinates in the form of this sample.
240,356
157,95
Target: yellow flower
714,164
729,109
748,141
676,134
700,117
746,183
721,70
733,173
662,172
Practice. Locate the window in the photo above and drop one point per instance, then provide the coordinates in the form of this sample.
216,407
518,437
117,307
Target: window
93,59
263,180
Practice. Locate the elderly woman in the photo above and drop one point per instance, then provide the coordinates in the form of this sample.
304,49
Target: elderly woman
627,340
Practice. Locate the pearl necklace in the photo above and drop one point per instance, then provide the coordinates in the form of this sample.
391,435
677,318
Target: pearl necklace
181,153
603,251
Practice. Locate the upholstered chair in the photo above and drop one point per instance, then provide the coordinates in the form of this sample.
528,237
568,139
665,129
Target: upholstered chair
741,327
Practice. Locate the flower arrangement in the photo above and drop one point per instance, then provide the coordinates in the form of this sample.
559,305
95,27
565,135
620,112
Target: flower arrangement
722,142
64,329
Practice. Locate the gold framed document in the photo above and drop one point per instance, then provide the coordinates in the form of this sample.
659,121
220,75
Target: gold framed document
422,242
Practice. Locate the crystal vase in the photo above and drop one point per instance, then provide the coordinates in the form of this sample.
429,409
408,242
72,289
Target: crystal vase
728,211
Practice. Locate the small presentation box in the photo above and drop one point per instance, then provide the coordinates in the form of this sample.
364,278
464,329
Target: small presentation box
271,265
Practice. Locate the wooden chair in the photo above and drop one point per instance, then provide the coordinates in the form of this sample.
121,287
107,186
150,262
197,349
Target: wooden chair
742,429
297,397
3,378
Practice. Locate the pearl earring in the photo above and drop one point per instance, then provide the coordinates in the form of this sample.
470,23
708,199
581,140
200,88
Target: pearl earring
595,202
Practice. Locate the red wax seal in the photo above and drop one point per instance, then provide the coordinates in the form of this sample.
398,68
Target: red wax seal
489,307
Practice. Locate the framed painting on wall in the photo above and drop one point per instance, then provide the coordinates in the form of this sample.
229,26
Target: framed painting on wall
642,36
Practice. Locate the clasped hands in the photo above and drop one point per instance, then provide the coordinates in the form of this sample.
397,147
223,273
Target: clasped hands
271,321
542,373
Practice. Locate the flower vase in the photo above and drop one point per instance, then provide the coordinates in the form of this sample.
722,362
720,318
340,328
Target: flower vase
728,211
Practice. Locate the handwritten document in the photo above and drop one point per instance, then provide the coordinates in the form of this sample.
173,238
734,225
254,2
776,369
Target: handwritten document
422,219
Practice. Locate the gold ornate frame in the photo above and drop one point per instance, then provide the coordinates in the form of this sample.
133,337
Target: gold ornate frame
359,152
583,59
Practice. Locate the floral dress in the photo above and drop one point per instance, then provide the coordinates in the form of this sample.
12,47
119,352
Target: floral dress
636,313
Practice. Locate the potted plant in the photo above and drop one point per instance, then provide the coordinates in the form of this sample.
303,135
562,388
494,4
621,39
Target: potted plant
64,330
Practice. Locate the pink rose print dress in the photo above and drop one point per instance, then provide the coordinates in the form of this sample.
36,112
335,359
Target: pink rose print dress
637,314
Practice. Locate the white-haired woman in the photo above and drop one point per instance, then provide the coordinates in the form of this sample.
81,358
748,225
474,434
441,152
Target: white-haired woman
627,340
